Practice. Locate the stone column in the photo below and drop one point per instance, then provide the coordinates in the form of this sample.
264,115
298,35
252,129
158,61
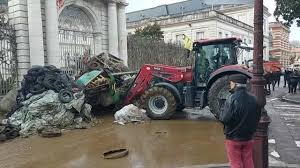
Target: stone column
52,33
35,27
122,32
17,10
113,46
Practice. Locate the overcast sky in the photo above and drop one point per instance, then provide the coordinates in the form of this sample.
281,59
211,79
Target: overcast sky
144,4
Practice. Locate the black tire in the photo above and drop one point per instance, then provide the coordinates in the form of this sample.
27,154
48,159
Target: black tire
59,85
36,71
37,89
218,93
51,68
159,103
65,96
49,80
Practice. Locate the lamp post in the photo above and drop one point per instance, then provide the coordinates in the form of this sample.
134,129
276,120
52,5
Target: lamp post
260,154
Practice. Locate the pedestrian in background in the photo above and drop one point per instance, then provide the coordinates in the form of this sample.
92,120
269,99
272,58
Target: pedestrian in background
187,44
240,117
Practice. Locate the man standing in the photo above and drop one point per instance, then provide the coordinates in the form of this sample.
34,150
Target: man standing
187,44
240,117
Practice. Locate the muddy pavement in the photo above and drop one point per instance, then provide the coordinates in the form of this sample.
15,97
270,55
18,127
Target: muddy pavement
188,139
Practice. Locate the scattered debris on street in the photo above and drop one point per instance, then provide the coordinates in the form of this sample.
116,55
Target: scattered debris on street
40,79
8,101
47,102
8,132
106,61
46,110
129,114
115,154
105,80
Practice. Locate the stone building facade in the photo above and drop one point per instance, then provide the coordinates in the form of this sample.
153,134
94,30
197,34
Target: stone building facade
61,36
202,19
280,49
295,54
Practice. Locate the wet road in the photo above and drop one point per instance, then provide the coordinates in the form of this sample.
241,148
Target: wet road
157,144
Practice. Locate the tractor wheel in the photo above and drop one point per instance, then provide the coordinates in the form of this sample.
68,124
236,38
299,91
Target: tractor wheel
217,95
159,103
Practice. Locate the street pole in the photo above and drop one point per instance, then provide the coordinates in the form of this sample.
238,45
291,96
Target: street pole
260,151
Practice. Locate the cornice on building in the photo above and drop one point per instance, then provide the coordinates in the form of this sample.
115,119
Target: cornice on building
279,25
189,18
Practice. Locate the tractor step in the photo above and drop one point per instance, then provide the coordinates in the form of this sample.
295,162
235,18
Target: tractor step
199,99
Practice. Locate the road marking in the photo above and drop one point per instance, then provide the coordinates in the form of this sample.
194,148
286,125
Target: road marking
271,100
286,105
293,115
290,118
271,141
290,125
297,143
288,108
275,154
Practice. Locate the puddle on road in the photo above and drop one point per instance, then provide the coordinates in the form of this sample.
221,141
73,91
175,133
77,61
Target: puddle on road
157,144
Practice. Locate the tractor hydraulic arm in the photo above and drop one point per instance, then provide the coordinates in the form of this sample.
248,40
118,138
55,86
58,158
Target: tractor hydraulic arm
170,74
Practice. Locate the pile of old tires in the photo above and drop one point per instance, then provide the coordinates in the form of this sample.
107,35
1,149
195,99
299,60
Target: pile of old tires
42,78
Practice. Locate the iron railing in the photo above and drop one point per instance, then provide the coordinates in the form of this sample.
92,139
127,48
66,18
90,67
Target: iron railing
74,47
8,56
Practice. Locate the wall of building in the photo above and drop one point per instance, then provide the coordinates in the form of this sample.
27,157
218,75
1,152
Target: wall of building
31,17
246,14
214,27
280,43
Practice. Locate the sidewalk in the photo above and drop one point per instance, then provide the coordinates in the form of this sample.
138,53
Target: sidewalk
292,98
284,130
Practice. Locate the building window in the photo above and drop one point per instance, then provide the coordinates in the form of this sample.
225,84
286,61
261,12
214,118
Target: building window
245,40
226,35
220,34
265,26
249,41
199,35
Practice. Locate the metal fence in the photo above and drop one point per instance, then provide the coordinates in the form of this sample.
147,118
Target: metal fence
8,56
74,46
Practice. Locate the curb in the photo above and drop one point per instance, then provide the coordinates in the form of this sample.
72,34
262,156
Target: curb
283,98
227,166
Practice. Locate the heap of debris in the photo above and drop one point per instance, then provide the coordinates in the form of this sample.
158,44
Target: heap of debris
113,77
48,100
106,61
40,79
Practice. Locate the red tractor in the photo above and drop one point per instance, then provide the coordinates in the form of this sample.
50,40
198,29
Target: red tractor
162,90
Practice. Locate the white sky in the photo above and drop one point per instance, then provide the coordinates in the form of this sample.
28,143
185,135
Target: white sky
144,4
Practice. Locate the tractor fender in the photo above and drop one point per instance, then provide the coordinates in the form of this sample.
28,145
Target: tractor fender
172,89
227,71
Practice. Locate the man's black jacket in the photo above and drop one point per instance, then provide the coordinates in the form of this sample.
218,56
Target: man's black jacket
240,115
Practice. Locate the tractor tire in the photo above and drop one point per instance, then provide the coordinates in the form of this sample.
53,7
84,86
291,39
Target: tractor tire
158,102
217,95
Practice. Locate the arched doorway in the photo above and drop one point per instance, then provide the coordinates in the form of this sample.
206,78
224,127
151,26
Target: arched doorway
76,39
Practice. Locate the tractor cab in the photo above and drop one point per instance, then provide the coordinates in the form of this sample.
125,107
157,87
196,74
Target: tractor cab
211,55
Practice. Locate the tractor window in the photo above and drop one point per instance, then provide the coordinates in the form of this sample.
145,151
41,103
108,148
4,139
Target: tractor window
219,55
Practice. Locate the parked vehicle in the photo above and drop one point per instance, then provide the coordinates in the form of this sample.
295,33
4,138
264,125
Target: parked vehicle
163,89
